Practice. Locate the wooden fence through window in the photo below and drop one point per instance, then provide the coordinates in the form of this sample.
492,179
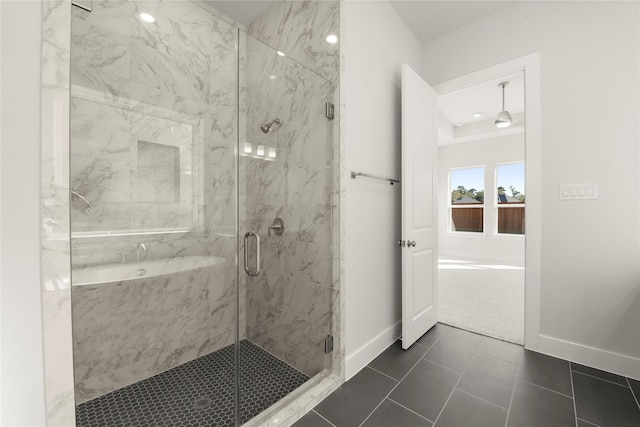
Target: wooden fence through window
467,219
510,220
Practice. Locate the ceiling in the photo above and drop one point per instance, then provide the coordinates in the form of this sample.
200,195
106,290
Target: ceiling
429,19
243,11
457,108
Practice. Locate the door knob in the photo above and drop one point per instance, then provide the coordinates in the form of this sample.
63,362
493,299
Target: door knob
401,243
411,243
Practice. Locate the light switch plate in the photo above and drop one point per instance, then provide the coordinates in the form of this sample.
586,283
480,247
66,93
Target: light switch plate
578,191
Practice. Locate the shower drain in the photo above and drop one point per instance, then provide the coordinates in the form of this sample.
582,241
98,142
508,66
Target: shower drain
202,403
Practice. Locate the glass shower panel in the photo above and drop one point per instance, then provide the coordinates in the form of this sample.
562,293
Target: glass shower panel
285,188
153,219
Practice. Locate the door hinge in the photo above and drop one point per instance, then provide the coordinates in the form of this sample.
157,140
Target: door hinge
328,344
328,110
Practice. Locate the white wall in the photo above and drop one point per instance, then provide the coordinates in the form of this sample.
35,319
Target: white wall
589,54
23,402
377,42
485,246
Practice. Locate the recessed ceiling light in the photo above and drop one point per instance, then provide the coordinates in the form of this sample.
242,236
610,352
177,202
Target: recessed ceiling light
147,18
273,77
478,114
280,53
332,38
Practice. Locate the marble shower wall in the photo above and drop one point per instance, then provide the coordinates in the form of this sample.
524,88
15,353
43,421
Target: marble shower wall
56,289
290,305
299,28
153,137
134,329
162,85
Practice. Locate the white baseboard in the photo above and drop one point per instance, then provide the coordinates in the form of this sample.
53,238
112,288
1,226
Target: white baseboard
597,358
358,359
616,363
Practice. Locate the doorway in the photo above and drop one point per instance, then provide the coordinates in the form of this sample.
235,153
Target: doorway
482,204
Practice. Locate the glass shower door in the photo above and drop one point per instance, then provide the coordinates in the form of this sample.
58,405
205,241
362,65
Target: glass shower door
285,227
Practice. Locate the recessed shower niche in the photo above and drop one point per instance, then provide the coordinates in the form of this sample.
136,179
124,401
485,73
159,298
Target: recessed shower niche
157,175
134,168
189,132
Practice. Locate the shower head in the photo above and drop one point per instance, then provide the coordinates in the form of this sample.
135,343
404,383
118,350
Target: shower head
85,205
266,128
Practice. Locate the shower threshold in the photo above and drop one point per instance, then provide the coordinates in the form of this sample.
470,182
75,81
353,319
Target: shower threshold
198,393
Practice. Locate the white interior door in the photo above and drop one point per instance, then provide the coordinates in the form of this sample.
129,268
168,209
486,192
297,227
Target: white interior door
419,216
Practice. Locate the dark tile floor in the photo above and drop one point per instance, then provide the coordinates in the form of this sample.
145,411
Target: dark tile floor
452,377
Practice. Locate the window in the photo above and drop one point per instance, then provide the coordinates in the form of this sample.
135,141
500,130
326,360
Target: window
467,199
510,198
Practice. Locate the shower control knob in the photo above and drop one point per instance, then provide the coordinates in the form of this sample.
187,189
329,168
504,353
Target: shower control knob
277,227
411,243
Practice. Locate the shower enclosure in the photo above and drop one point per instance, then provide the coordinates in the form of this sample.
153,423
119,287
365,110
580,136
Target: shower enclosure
201,218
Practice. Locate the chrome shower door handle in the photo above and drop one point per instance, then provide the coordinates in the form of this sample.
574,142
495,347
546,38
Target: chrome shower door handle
251,271
257,270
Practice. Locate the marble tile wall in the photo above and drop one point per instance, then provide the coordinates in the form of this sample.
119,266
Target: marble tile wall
340,177
167,319
299,28
139,90
119,98
56,289
289,306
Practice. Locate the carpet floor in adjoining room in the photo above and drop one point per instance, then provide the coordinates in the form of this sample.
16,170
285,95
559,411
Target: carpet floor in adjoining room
483,297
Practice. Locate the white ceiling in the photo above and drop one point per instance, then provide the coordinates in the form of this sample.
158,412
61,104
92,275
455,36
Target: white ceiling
459,106
243,11
429,19
457,123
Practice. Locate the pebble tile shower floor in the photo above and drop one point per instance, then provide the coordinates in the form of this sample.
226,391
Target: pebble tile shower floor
197,393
